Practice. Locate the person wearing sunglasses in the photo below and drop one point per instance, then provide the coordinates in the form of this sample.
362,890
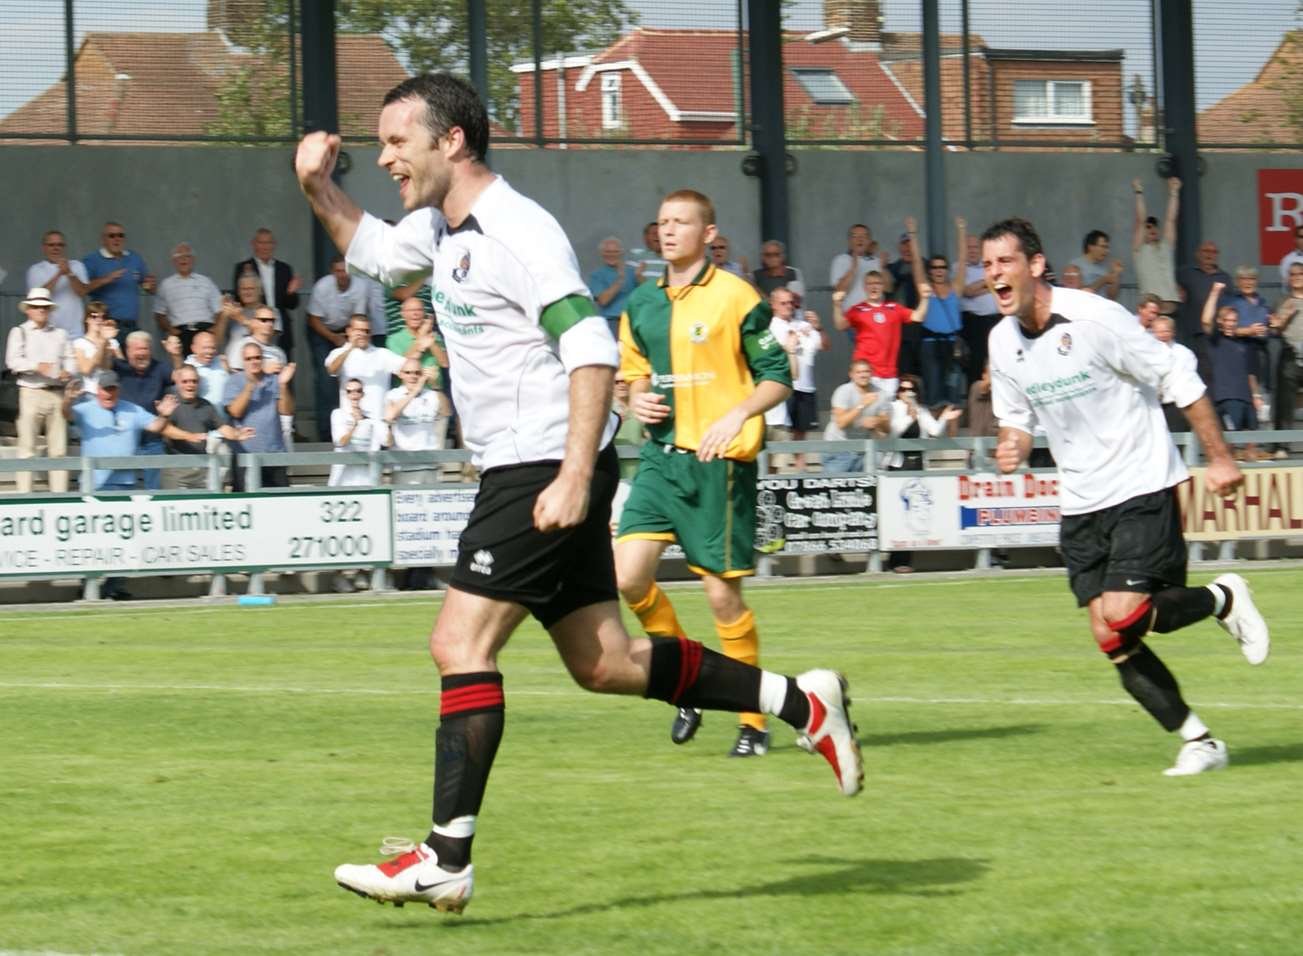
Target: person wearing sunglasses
96,348
118,275
943,377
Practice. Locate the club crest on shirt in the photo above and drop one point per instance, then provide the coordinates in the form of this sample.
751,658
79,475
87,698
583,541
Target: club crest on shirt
698,332
879,318
463,268
1065,344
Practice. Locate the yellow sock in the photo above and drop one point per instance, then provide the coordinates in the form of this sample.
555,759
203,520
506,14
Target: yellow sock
657,614
740,641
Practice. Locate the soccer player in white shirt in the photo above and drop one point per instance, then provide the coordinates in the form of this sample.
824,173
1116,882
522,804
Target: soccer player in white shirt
533,365
1082,367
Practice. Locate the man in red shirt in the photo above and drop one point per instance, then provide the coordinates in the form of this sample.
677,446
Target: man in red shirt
877,324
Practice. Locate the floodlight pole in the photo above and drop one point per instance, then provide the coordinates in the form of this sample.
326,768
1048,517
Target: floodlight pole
935,169
320,100
1180,133
768,131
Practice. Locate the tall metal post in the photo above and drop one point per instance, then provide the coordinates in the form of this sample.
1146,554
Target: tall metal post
477,28
320,99
768,132
1180,135
70,68
935,177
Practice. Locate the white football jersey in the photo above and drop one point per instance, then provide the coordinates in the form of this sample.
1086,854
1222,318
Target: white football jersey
1092,378
490,279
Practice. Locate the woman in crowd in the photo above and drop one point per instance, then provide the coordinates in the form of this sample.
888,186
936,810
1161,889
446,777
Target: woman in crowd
96,349
910,419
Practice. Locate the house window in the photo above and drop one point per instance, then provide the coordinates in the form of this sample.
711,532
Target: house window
611,118
1051,101
823,86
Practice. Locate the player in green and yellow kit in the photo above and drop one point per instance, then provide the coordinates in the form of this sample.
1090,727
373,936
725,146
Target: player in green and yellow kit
702,369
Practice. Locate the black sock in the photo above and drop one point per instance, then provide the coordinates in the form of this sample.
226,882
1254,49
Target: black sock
1179,607
472,714
1148,680
686,674
796,706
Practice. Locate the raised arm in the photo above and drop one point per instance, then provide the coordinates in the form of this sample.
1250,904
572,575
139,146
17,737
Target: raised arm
916,257
1141,214
1210,306
1173,210
313,163
839,320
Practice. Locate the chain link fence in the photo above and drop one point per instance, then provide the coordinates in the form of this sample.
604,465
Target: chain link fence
596,73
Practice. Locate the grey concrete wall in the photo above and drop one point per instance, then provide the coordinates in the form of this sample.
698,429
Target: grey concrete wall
215,197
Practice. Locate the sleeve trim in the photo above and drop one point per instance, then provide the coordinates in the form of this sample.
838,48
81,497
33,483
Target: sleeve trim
564,314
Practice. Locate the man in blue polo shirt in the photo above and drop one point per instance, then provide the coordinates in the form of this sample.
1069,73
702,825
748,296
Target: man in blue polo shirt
118,276
612,282
255,400
111,426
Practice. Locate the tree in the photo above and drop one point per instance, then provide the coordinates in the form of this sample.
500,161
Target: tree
431,35
253,99
425,35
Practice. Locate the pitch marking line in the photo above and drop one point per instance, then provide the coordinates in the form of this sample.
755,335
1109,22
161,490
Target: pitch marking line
387,692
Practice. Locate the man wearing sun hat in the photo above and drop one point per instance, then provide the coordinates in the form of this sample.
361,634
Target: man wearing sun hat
40,357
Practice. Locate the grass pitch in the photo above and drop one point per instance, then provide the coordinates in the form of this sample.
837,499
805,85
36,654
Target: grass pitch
184,780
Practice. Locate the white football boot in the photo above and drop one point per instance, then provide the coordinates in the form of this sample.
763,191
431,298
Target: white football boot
1198,756
1244,623
830,731
413,876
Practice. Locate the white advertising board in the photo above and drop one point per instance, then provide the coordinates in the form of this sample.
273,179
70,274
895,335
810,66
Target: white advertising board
167,533
918,512
427,524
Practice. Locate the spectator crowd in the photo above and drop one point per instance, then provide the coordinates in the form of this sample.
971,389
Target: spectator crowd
221,368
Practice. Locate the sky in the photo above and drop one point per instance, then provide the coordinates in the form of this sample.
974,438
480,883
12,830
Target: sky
1233,38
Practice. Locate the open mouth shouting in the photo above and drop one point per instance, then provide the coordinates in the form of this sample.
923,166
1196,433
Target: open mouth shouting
1004,297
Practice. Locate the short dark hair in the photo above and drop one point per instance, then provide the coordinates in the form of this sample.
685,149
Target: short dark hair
1149,299
1092,237
1151,220
449,102
1020,229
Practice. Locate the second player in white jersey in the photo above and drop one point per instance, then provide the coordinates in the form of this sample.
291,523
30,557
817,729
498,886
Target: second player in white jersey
1091,378
491,279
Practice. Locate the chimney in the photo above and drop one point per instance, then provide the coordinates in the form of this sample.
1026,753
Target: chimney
862,17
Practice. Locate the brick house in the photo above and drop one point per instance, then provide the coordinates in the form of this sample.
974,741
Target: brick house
170,85
1269,109
690,85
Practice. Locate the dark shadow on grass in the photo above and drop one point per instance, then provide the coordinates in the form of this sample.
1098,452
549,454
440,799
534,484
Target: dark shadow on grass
952,735
924,878
1281,753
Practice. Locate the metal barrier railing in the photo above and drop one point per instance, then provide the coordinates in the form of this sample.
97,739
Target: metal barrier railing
979,448
975,452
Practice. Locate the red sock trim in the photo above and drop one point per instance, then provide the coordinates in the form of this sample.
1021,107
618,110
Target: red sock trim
689,666
1117,627
1133,617
472,697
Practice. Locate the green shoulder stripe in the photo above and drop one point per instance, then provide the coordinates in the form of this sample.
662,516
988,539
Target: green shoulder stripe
765,356
563,314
